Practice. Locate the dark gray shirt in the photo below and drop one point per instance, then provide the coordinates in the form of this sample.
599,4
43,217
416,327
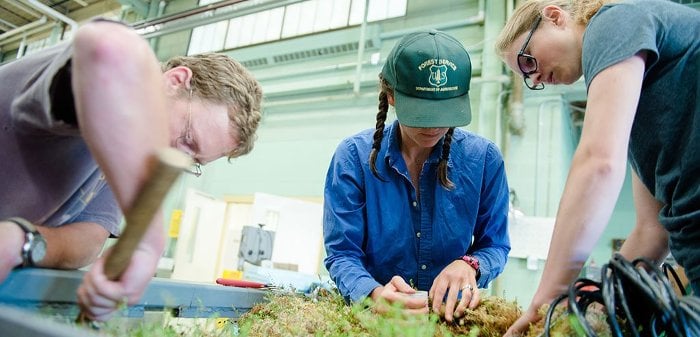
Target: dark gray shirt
47,174
664,147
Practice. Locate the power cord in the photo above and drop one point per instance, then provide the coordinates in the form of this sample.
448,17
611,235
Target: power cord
637,300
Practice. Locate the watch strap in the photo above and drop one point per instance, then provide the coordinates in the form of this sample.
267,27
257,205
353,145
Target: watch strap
25,225
474,263
31,236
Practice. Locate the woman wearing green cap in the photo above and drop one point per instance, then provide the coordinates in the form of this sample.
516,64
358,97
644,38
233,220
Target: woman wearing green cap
643,82
418,204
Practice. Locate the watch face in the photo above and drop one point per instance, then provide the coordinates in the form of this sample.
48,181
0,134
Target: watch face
38,249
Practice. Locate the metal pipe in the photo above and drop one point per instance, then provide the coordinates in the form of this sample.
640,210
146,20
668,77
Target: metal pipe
22,29
22,47
318,99
490,66
50,11
7,24
11,39
24,8
296,73
499,135
360,51
540,111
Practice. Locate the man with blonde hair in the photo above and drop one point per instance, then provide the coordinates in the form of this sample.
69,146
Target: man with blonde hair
79,123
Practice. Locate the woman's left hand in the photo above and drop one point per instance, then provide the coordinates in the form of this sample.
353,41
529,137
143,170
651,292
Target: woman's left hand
457,276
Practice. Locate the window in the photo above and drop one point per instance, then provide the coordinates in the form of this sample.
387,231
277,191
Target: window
305,17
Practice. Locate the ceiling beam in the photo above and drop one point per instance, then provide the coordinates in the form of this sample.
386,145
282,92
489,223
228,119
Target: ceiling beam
22,29
23,8
52,12
139,6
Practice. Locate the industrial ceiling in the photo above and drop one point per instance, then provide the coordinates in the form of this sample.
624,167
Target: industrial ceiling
29,19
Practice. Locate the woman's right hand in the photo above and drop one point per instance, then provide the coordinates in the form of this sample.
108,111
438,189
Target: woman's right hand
398,291
521,326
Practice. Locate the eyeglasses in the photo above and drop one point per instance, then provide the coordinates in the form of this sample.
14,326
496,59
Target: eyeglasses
528,63
196,169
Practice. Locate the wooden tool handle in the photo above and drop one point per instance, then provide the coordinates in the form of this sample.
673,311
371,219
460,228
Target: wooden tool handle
168,165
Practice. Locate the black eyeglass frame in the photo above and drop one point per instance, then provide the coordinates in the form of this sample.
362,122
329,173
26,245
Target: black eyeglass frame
523,57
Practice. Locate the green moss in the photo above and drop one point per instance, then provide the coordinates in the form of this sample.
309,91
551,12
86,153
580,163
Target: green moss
285,315
327,315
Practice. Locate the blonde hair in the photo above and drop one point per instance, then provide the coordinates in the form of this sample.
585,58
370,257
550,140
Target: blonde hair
221,79
525,15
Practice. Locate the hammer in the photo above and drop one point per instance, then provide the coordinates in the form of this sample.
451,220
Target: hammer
166,166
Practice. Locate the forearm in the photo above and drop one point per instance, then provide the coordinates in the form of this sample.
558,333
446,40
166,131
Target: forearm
649,238
120,103
586,206
72,246
643,242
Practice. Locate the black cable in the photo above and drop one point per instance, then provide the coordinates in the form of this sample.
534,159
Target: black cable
550,313
668,268
638,299
579,300
607,288
671,312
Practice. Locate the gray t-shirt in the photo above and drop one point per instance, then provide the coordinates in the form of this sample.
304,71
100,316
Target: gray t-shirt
664,147
47,174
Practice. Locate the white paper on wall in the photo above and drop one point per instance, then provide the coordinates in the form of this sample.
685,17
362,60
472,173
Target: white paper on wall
199,240
530,236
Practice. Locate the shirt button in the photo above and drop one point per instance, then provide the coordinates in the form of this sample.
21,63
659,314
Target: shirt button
418,235
415,204
424,267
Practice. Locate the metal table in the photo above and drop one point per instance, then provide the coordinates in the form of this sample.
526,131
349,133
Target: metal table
54,292
19,323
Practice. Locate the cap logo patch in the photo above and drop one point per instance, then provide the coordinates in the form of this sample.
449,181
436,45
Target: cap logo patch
438,74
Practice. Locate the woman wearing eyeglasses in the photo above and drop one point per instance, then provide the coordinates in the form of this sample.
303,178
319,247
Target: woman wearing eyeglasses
641,63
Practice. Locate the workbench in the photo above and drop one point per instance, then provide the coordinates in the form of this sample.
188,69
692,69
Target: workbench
18,323
53,292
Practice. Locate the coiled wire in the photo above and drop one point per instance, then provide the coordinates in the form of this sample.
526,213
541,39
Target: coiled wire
638,300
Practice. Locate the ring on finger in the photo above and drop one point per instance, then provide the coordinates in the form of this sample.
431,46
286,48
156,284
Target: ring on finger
468,286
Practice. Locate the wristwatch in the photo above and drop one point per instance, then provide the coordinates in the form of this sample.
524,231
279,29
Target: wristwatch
34,247
473,262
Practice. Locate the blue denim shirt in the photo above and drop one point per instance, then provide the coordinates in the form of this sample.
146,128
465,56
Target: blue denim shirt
376,229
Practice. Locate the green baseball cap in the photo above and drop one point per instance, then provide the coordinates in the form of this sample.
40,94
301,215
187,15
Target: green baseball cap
430,73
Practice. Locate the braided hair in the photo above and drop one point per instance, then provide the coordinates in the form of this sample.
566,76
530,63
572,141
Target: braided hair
385,90
379,127
442,166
